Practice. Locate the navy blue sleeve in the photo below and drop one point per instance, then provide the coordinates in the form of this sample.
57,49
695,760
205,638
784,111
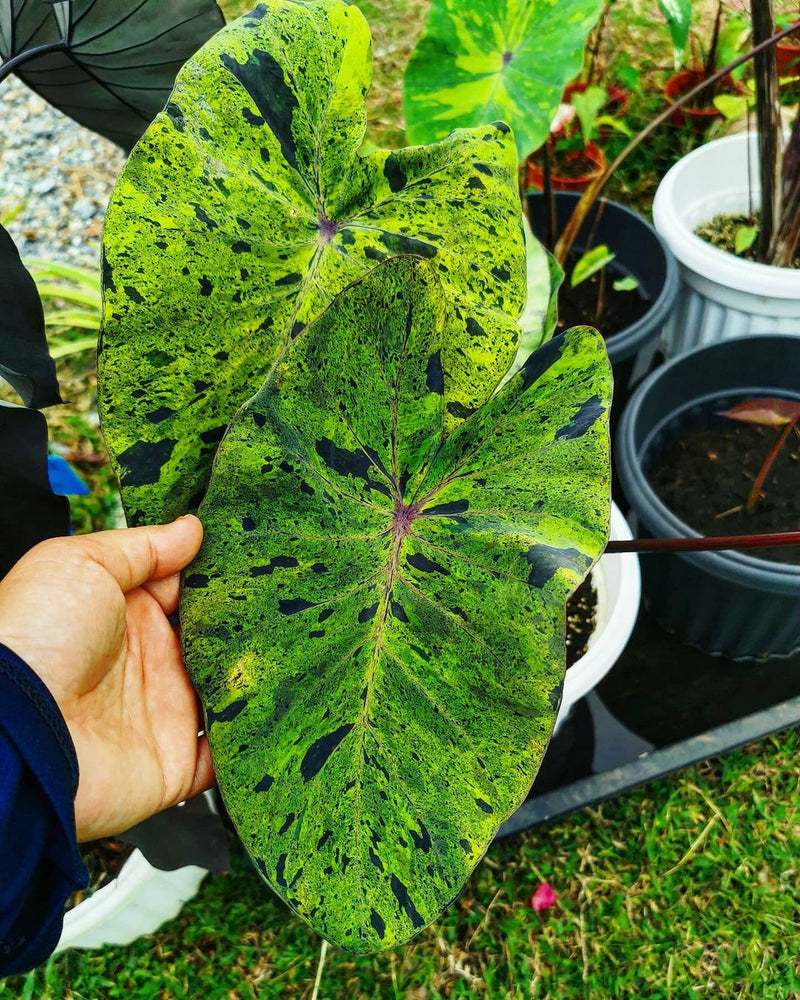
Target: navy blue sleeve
39,860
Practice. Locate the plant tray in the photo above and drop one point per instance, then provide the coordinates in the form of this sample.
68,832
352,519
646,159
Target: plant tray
661,708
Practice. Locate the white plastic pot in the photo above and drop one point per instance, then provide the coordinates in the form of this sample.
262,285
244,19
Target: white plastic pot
137,902
721,295
617,583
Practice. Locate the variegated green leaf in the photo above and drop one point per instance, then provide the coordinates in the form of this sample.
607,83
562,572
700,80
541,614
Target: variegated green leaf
246,208
482,60
544,279
678,14
375,621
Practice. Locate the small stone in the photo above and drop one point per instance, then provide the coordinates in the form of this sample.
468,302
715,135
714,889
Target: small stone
84,209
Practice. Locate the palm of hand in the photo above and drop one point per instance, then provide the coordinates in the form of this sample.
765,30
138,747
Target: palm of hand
112,661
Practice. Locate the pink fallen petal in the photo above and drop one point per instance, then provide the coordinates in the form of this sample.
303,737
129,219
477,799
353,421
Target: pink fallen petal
543,898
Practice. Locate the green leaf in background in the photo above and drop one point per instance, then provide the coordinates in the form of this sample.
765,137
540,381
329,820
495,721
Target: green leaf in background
116,66
732,106
246,208
588,105
627,284
375,621
678,15
590,263
484,60
745,237
617,124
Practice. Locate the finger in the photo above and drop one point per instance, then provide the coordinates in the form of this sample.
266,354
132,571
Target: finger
135,555
166,592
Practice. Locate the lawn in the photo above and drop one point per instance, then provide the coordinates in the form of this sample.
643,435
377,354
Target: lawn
686,888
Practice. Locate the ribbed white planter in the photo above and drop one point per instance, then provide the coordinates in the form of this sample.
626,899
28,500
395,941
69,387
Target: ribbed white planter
618,586
721,295
138,901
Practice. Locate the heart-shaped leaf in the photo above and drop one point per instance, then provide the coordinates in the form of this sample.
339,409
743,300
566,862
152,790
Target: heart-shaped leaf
25,361
495,59
110,65
246,208
29,509
375,622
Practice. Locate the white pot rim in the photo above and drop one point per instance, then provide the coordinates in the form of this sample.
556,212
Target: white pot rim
618,584
675,214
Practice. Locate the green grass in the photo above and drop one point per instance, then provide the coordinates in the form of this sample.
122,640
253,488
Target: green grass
688,888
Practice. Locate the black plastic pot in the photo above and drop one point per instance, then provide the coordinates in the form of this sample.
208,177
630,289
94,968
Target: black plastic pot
641,254
725,603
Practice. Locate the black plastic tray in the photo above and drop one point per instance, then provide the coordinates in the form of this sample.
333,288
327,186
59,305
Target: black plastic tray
662,707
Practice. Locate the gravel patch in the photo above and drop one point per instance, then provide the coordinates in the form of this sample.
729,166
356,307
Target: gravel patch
61,173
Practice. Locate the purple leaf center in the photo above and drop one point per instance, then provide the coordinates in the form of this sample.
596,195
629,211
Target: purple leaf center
402,517
328,228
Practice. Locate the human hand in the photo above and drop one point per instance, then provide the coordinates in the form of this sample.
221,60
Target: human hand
89,615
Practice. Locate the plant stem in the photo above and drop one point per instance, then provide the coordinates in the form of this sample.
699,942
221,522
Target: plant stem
590,195
786,237
755,492
711,57
768,121
22,57
645,546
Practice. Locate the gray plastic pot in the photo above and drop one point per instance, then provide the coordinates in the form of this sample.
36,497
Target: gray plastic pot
725,603
641,254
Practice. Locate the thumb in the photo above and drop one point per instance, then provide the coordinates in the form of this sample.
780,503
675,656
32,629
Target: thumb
135,555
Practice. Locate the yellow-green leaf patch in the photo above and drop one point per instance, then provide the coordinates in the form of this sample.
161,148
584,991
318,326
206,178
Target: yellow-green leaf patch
375,621
247,207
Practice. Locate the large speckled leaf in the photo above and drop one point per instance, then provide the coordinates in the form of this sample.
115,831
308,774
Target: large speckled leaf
246,208
375,621
114,61
481,60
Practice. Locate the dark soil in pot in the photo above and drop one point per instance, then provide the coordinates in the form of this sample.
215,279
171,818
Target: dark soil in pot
581,620
619,309
705,477
104,860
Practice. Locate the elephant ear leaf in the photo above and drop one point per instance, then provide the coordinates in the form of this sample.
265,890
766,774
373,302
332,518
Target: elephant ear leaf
247,207
490,59
109,65
25,361
375,621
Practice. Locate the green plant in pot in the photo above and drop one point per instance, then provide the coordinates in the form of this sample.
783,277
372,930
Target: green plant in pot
754,287
688,471
375,621
570,158
704,60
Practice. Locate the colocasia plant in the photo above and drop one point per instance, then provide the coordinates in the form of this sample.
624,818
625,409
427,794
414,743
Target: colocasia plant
309,340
